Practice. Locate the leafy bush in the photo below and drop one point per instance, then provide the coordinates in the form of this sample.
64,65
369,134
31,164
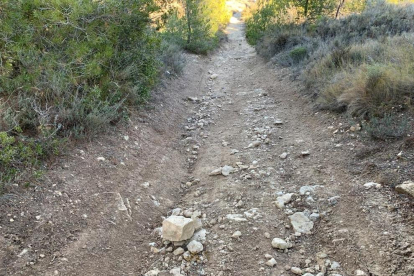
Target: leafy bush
21,158
70,64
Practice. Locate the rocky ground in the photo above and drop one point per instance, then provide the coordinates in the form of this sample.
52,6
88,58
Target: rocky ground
232,173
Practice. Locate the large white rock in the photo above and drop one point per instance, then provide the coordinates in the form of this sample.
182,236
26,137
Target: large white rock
301,223
280,244
195,247
177,228
406,188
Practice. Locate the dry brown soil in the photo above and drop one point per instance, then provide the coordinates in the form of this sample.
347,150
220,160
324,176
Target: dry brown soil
93,216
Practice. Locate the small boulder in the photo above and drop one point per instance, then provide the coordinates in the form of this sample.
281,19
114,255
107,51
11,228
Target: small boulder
177,228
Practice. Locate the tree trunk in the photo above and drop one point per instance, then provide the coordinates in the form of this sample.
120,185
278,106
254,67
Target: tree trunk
341,3
306,7
188,13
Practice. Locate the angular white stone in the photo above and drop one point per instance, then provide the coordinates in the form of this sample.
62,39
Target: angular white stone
301,223
177,228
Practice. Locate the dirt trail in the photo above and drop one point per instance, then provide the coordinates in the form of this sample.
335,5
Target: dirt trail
98,217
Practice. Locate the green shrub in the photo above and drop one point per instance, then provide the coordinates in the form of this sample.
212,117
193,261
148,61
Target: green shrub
67,62
20,158
390,126
298,54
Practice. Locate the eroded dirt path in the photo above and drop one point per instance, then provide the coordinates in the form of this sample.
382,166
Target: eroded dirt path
98,214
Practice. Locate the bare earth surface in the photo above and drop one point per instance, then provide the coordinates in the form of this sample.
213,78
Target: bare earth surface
95,214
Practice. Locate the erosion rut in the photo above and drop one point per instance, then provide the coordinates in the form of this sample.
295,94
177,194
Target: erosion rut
97,217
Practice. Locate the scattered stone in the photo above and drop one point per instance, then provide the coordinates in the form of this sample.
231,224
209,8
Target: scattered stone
216,172
154,272
198,224
176,271
278,122
283,155
176,212
369,185
359,272
301,223
227,170
314,216
145,185
272,262
333,200
236,217
236,235
307,189
214,76
178,251
268,256
281,201
335,265
195,247
308,274
356,127
296,270
200,236
305,153
406,188
254,144
177,228
281,244
267,235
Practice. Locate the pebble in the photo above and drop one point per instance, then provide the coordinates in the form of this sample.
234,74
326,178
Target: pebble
280,244
283,155
296,270
178,251
359,272
301,223
369,185
227,170
236,235
272,262
195,247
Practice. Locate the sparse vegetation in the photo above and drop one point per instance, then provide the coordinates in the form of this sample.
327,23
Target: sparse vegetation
69,68
361,63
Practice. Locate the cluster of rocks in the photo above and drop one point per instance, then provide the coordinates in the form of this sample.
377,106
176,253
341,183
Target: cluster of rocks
183,242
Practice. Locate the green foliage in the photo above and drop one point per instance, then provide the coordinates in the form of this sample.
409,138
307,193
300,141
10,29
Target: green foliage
298,54
197,27
67,62
17,154
361,64
387,127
